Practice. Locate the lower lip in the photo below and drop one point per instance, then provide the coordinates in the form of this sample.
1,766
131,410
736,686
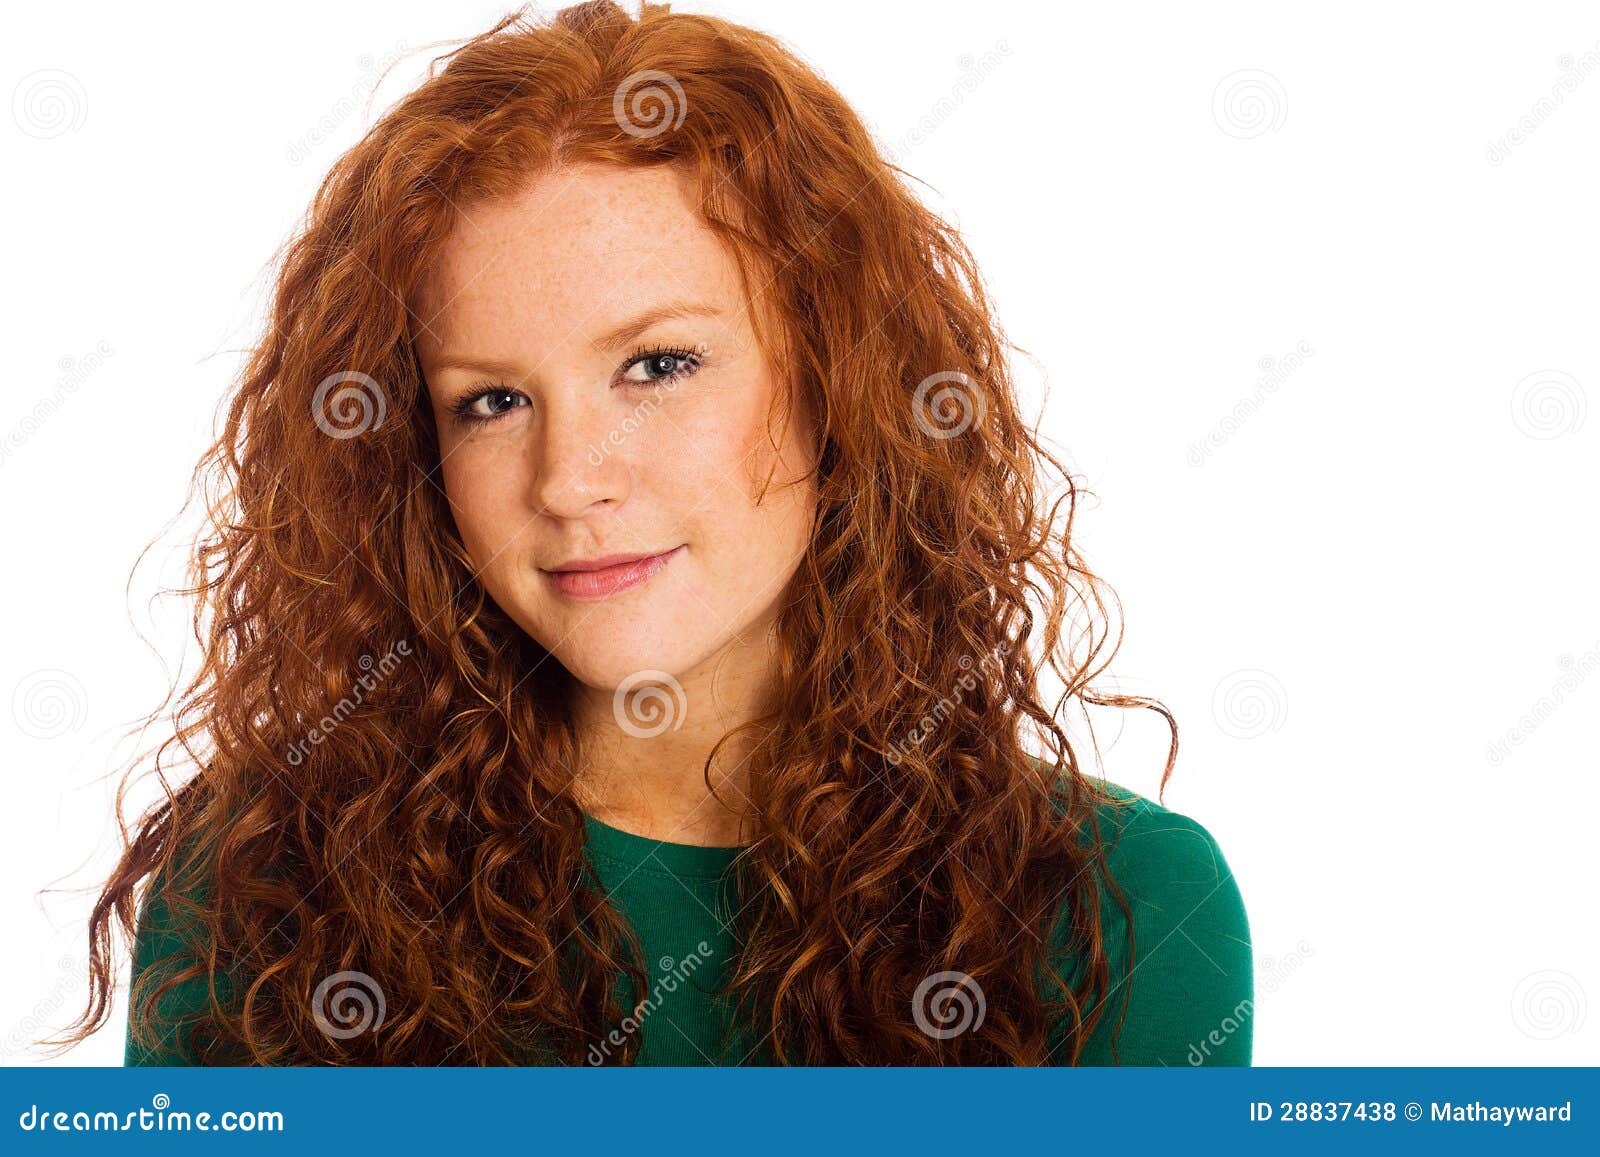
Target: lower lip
600,584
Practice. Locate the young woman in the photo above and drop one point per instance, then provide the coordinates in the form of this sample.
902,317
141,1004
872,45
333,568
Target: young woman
627,566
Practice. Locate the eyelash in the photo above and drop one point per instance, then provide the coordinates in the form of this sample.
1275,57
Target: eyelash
461,408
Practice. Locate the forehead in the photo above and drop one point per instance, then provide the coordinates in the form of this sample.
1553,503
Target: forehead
569,255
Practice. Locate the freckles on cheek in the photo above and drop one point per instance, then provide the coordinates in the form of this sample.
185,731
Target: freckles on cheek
476,497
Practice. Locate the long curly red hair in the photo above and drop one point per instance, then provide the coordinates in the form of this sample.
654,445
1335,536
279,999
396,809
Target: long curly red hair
431,839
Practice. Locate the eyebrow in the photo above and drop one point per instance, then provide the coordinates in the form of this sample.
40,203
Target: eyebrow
618,335
627,331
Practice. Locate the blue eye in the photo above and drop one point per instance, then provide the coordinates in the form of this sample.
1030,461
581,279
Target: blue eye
662,364
466,407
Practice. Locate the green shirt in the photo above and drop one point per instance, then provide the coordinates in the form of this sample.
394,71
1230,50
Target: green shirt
1192,982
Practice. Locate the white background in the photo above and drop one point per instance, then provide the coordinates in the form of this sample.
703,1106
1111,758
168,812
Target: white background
1348,595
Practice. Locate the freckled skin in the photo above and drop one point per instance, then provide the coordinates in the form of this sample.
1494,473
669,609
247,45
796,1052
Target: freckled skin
581,461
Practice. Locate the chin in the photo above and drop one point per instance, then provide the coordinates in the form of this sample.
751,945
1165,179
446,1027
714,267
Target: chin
621,663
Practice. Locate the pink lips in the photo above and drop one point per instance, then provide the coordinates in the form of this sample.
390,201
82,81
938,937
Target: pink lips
609,580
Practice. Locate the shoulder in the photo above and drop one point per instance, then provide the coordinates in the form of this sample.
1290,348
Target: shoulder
169,941
1180,955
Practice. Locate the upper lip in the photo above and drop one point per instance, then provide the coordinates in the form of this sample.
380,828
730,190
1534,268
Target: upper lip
608,560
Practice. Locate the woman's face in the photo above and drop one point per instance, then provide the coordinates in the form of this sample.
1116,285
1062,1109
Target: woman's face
598,391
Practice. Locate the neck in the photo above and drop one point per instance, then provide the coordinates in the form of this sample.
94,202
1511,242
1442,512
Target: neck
642,759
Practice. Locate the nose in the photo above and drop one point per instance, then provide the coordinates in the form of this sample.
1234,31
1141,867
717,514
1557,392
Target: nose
580,464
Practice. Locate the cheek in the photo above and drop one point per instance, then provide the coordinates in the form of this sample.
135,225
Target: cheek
476,484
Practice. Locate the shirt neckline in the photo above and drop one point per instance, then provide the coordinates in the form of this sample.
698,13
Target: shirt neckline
642,853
